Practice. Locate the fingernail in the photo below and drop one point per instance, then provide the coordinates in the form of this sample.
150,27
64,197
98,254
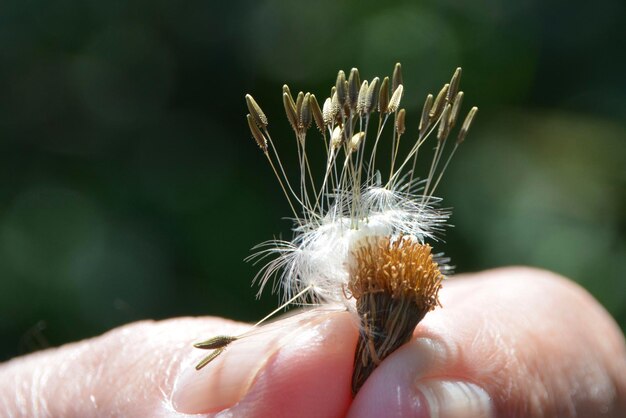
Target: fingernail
454,399
227,379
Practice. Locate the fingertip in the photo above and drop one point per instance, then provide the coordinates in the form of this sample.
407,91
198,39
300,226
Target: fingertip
300,367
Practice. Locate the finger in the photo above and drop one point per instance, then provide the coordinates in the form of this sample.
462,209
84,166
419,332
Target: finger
300,366
507,343
147,369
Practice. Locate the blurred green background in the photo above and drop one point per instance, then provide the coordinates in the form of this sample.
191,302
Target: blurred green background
130,187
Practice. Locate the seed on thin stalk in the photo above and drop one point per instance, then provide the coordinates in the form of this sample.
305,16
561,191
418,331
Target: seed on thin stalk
256,133
454,85
299,101
336,138
214,343
290,111
355,141
335,106
440,103
340,88
466,124
394,102
288,91
373,92
327,111
255,110
396,78
317,113
456,107
383,97
444,126
361,104
400,124
305,113
428,104
354,81
209,358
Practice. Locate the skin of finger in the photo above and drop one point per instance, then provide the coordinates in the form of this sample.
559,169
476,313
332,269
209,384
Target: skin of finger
538,344
131,372
307,378
128,371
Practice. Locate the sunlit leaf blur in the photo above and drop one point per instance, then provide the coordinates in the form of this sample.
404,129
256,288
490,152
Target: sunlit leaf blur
130,187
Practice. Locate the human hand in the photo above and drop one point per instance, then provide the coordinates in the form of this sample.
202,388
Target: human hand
507,343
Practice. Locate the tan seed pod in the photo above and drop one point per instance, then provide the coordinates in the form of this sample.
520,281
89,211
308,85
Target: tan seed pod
428,104
290,111
466,124
444,126
394,102
335,106
340,87
305,112
355,141
362,99
454,84
456,107
354,82
255,110
256,133
383,96
396,78
371,102
440,102
299,101
219,341
327,111
288,91
317,113
400,123
336,138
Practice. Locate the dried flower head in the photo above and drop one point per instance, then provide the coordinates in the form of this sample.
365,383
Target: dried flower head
360,235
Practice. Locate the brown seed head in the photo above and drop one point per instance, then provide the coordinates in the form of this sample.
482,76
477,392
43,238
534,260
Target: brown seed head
317,113
394,102
444,125
306,116
255,110
454,85
362,99
340,87
354,82
371,102
299,101
396,78
456,107
401,267
290,111
400,122
383,96
428,104
466,124
256,133
440,102
327,111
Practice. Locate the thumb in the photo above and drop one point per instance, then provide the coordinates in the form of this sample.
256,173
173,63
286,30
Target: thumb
507,343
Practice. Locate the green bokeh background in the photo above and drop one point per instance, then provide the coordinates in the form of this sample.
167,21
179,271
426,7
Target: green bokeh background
130,187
